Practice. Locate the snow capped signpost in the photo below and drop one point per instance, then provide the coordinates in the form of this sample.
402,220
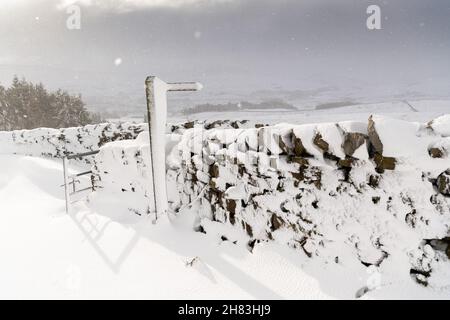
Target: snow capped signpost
156,91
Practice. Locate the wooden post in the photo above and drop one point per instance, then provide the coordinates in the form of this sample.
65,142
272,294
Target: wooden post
66,183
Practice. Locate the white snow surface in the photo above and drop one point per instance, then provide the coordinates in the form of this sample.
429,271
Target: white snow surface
48,254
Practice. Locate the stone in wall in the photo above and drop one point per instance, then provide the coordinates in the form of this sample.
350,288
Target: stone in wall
443,183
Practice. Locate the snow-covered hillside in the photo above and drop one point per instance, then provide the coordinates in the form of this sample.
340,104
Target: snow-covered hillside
410,110
347,209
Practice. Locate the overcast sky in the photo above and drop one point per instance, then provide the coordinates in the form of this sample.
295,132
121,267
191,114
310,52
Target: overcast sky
232,46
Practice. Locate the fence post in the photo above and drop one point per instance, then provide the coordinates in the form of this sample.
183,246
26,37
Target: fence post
66,183
156,93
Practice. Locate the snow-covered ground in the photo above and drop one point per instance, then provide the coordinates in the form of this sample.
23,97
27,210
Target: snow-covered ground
48,254
97,252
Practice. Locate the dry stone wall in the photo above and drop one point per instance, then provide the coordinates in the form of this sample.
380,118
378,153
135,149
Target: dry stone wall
337,190
56,143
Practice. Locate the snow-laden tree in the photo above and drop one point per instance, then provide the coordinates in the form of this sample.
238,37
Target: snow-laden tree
25,105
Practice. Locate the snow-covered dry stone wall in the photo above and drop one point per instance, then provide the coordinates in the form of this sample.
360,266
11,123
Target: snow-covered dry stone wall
375,193
57,143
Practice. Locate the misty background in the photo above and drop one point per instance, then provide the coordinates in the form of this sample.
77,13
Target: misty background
304,52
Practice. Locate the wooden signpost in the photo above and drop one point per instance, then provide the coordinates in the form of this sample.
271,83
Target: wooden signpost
156,91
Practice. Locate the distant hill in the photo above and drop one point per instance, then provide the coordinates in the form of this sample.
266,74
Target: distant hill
240,106
332,105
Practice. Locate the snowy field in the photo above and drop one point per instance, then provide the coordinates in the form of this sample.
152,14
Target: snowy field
91,254
421,111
